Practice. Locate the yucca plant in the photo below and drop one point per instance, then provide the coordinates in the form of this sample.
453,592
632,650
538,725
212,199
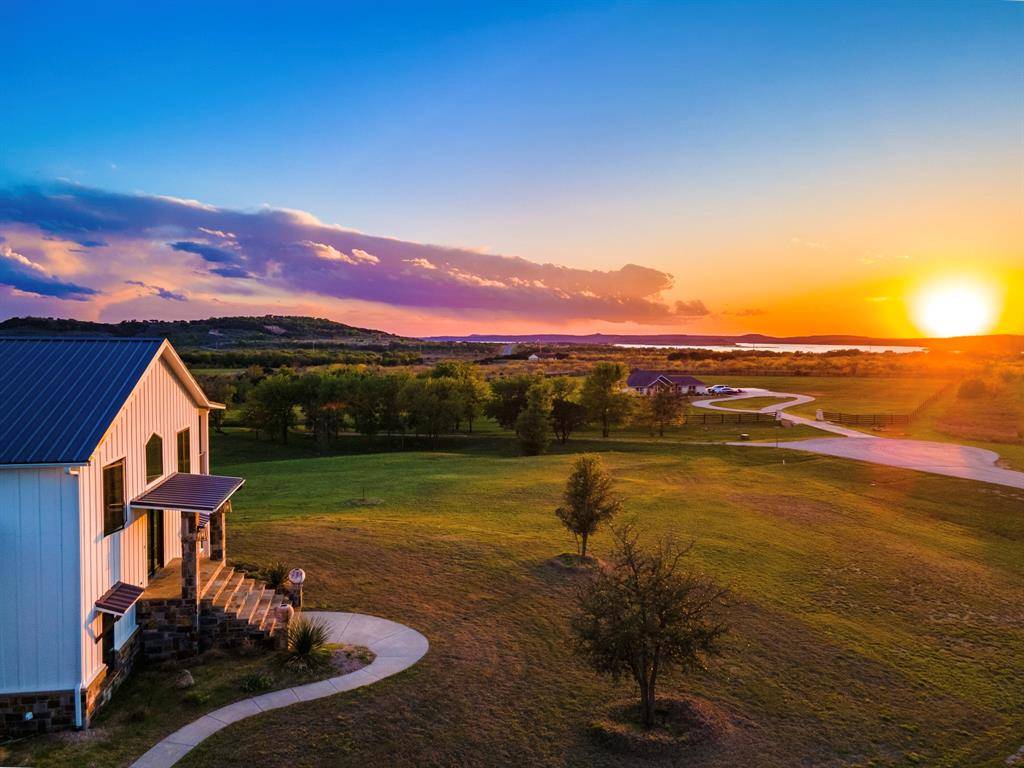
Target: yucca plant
307,643
275,576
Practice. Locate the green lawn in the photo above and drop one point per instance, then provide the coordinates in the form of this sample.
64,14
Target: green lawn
751,403
876,612
846,393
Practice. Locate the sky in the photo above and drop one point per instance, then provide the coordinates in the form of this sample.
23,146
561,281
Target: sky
789,169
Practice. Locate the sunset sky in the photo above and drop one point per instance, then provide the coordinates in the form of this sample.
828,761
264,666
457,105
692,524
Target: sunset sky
786,168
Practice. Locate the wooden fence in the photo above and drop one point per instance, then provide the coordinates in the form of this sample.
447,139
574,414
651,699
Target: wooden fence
721,417
866,419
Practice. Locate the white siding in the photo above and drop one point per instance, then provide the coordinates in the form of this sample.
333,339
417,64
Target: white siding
161,405
39,613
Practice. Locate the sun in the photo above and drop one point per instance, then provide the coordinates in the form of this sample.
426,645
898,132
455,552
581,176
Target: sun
955,307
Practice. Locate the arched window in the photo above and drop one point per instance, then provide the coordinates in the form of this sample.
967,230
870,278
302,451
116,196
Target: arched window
154,458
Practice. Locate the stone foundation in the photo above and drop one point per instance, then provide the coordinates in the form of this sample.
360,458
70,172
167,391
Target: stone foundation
55,710
169,629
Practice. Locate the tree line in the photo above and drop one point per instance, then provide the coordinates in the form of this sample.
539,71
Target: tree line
448,398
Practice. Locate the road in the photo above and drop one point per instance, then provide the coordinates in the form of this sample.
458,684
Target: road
937,458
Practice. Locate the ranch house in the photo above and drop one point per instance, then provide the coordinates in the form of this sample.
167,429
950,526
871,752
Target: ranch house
112,530
649,382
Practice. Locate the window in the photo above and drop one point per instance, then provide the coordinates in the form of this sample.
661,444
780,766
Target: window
113,497
107,638
184,451
154,458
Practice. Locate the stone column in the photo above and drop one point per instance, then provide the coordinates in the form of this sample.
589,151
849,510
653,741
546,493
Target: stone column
190,586
218,533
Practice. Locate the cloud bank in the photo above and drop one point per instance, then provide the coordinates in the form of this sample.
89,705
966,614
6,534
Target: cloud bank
83,244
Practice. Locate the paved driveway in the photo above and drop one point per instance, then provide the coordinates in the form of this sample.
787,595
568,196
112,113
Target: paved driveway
938,458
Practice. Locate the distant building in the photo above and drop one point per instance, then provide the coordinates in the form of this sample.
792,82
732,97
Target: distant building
533,358
649,382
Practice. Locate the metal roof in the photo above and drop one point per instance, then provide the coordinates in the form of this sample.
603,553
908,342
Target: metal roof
58,396
189,493
119,598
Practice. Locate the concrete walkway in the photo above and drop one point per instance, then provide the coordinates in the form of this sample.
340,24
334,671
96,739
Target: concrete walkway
396,645
948,459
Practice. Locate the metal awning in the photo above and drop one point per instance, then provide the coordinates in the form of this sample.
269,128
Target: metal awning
186,492
118,599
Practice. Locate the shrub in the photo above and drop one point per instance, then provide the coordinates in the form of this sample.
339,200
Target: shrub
197,698
972,389
257,681
307,643
274,576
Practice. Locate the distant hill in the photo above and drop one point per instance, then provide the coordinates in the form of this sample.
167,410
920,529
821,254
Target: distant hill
999,344
215,332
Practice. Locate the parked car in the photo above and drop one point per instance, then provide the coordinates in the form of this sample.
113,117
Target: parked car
722,389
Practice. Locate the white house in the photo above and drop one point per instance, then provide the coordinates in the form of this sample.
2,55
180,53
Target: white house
105,492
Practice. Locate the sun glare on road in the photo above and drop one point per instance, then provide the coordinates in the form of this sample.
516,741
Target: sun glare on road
955,307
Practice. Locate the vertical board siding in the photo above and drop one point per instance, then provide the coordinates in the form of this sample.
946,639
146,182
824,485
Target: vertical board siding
39,567
159,404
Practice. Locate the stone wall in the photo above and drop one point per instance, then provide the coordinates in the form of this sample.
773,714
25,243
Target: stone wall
55,710
169,629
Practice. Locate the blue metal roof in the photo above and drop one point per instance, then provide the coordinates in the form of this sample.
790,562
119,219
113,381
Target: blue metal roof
58,396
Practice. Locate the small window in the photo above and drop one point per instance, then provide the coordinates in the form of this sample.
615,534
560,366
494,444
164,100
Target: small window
184,451
154,458
113,497
107,638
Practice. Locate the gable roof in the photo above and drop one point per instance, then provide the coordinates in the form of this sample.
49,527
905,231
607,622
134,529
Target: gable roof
640,379
58,396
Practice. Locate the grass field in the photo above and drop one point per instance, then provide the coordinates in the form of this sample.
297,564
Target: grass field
751,403
846,393
876,612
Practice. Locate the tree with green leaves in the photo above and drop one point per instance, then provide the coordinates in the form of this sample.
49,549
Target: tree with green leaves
603,397
664,407
567,414
220,389
508,398
533,425
648,614
588,500
271,405
473,392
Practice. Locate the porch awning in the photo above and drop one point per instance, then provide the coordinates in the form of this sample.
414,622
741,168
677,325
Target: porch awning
190,493
118,599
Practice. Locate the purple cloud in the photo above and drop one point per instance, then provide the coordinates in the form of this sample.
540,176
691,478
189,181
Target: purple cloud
156,290
19,272
292,252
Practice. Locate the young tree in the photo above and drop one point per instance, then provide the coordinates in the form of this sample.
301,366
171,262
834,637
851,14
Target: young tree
602,395
647,614
588,500
567,415
533,425
665,407
508,398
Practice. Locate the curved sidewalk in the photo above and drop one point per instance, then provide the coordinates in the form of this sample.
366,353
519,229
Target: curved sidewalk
397,647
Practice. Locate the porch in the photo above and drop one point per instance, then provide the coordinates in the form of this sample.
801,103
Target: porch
165,584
